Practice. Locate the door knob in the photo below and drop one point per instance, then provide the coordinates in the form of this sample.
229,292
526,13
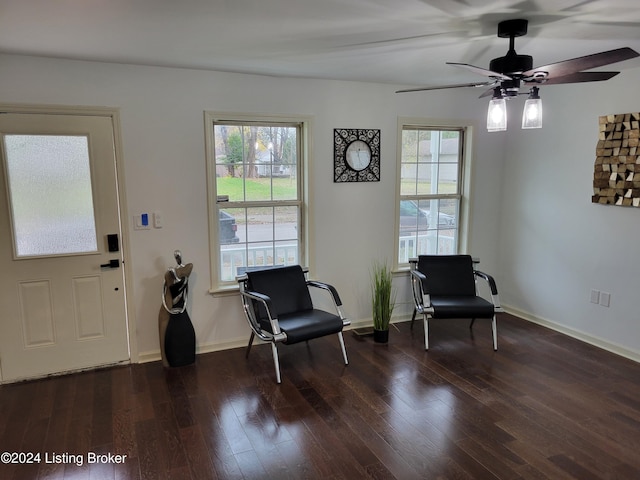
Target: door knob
112,264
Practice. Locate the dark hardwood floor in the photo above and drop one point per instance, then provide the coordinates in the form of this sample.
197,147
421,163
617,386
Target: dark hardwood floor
543,406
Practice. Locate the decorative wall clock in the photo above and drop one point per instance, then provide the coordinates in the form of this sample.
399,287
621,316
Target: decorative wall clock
356,155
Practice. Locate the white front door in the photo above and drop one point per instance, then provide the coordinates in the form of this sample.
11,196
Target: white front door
62,298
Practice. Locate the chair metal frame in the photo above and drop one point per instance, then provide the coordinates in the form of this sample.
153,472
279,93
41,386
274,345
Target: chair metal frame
423,305
278,336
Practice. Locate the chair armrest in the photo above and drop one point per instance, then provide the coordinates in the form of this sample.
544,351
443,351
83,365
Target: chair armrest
489,279
420,279
261,297
419,276
325,286
251,316
421,296
495,299
337,303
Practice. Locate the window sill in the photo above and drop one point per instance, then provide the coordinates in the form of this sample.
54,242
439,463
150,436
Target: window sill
224,291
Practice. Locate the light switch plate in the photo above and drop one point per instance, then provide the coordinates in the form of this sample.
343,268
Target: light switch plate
141,222
158,220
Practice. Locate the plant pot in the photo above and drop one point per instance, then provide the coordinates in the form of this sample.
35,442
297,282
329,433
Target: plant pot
381,336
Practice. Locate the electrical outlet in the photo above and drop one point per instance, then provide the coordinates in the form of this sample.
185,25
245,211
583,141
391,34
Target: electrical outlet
595,296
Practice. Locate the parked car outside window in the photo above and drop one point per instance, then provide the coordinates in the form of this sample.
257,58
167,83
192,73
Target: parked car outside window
413,218
228,228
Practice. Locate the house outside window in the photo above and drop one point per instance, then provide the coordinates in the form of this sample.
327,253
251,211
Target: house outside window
430,186
256,196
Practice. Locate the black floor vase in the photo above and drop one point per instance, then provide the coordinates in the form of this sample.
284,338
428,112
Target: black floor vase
177,334
180,340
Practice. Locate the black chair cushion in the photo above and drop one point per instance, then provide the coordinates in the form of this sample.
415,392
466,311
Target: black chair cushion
456,306
449,275
306,325
286,286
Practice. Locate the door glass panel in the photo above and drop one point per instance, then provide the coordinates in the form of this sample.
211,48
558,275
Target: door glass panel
49,180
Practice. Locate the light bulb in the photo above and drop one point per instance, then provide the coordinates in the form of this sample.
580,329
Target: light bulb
532,113
497,115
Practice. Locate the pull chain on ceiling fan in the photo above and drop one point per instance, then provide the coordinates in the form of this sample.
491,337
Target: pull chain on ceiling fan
507,74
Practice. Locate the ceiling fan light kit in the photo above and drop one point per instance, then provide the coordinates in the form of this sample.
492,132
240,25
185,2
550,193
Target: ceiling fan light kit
532,112
506,74
497,112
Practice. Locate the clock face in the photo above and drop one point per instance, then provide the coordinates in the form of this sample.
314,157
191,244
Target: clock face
358,155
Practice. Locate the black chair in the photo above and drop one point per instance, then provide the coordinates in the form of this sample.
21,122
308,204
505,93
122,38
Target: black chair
444,286
278,306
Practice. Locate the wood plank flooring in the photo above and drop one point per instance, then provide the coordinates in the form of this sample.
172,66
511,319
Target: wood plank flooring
543,406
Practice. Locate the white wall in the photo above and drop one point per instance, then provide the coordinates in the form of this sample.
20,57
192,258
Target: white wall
532,225
556,246
161,113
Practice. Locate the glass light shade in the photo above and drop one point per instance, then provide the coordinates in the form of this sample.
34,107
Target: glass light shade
497,115
532,113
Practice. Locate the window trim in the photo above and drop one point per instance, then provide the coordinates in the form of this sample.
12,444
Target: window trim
464,177
217,286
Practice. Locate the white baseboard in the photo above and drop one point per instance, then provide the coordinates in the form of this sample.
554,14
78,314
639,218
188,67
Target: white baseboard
577,334
146,357
154,355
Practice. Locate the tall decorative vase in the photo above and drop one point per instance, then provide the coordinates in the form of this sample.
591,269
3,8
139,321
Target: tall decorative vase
177,335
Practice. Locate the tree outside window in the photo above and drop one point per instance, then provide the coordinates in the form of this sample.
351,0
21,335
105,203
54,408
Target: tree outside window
258,202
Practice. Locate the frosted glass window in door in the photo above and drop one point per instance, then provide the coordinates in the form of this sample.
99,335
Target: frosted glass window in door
49,180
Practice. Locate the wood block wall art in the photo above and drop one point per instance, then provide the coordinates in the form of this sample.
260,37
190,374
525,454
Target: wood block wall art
616,176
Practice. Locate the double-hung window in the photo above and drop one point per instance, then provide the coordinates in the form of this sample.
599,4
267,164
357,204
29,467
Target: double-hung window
256,198
430,191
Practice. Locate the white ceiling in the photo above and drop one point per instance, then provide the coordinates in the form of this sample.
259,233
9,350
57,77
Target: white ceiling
404,42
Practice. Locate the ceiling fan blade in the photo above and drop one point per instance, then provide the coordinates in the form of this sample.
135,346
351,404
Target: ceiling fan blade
481,71
576,77
587,62
487,93
442,87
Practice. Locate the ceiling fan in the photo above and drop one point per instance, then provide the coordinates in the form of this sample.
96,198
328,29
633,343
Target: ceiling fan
507,73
